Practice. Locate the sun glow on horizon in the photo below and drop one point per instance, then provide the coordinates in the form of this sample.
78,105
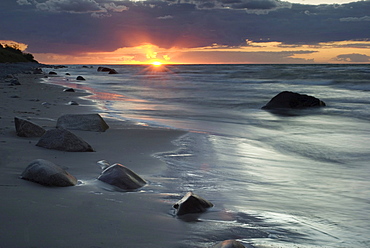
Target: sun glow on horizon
157,63
252,52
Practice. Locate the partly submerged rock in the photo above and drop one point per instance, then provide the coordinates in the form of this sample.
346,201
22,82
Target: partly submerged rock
38,71
191,203
229,244
84,122
111,71
102,68
73,103
47,173
63,140
292,100
120,176
25,128
69,90
80,78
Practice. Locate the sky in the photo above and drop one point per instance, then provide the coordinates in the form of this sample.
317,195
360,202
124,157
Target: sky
188,31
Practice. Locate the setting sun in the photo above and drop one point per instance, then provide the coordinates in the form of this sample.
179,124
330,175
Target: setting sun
156,63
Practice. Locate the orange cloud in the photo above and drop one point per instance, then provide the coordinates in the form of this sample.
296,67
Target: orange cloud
18,45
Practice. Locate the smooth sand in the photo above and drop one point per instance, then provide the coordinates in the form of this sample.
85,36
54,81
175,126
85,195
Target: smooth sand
86,215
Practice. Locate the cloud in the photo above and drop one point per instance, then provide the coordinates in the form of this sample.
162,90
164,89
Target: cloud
166,17
355,19
67,26
24,2
73,6
354,57
97,7
11,43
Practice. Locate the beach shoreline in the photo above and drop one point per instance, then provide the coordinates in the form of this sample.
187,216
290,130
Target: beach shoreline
85,215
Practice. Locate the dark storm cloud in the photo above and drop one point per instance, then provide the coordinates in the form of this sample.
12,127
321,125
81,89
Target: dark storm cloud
69,26
74,6
354,57
255,4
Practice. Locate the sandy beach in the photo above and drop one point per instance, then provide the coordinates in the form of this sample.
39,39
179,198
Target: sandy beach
85,215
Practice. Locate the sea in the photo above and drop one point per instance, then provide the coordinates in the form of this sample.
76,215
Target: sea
299,178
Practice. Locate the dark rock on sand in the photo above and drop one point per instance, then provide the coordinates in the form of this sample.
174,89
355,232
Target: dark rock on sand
69,90
38,71
73,103
80,78
14,82
191,203
229,244
52,73
63,140
122,177
25,128
47,173
292,100
84,122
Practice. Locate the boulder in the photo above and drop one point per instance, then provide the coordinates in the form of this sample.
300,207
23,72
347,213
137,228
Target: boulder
113,71
73,103
191,203
80,78
292,100
26,128
122,177
63,140
47,173
229,244
52,73
69,90
14,82
84,122
101,68
38,71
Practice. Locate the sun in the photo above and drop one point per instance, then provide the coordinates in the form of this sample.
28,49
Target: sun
157,63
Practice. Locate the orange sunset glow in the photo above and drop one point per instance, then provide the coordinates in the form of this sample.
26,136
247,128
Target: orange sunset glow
250,52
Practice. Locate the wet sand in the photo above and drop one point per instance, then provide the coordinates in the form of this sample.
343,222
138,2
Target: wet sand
86,215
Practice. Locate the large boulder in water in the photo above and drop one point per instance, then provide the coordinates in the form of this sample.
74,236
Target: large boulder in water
111,71
47,173
102,68
63,140
292,100
191,203
122,177
84,122
81,78
25,128
229,244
